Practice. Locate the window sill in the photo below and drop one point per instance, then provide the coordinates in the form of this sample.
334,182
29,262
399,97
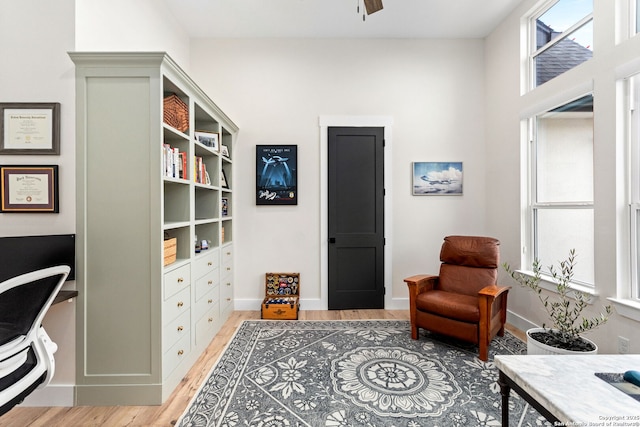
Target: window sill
549,284
627,308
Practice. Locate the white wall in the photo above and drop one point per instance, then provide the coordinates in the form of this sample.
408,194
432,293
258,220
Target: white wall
507,172
276,90
125,25
34,39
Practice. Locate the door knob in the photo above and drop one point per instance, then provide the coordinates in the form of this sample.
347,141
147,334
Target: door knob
332,239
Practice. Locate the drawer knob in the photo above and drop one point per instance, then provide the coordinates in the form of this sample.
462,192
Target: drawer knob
180,352
180,303
228,283
209,263
209,301
210,319
180,280
228,253
210,282
228,268
180,328
228,299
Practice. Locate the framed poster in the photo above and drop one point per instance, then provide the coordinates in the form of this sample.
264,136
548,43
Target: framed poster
437,179
29,188
276,175
30,128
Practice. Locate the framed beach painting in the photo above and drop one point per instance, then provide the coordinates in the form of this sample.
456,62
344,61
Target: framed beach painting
437,179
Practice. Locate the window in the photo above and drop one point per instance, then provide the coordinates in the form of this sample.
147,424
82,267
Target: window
561,193
636,6
634,139
562,38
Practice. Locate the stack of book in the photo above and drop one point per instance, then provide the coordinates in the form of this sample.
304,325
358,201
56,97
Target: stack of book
174,162
200,174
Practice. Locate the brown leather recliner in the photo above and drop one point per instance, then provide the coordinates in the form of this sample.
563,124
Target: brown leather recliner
464,300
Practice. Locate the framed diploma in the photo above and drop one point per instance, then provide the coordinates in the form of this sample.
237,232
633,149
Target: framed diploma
29,188
30,128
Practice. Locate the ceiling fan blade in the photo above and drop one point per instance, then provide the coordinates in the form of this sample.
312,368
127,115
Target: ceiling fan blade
372,6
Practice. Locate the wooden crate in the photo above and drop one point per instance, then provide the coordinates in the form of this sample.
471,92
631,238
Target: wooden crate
170,250
282,300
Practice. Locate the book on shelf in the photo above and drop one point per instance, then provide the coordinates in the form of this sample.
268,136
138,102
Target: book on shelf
183,164
200,174
225,206
174,162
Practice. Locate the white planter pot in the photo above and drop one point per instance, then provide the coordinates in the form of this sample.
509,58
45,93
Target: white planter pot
536,347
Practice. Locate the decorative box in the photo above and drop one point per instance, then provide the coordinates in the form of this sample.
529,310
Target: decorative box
170,250
282,301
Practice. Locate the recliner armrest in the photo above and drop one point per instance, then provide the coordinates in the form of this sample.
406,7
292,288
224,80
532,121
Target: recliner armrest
421,283
493,291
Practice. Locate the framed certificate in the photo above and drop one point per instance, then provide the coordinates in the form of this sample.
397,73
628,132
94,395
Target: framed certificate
29,188
30,128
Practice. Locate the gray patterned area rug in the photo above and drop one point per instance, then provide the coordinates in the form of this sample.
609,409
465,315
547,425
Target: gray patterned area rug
360,373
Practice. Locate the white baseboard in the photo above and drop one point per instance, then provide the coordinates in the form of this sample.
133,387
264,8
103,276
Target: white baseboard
519,321
51,395
315,304
256,304
397,304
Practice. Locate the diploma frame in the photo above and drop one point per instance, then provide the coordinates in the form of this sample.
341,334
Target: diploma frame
29,189
19,135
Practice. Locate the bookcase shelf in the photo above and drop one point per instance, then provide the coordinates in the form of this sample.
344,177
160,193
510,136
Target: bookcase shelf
142,324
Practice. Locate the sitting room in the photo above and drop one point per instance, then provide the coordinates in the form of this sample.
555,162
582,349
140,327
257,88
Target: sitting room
203,156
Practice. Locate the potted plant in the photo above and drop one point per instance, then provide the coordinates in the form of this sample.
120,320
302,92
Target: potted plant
565,312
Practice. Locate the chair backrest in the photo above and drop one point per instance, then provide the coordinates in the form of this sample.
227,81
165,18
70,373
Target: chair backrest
25,299
469,263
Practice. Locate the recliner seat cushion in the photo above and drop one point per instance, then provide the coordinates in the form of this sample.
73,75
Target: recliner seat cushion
451,305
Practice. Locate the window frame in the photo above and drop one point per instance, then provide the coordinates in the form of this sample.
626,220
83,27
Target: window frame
534,51
627,301
634,15
632,92
533,206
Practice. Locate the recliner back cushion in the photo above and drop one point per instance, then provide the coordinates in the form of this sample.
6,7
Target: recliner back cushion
469,263
471,251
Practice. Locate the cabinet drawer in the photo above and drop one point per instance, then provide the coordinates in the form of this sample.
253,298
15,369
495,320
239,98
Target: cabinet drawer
176,280
205,263
176,354
176,305
206,283
227,254
175,330
209,302
206,327
226,291
227,269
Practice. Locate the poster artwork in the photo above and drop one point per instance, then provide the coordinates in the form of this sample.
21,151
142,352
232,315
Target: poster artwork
276,175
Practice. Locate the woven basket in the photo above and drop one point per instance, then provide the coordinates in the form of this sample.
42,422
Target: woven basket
176,113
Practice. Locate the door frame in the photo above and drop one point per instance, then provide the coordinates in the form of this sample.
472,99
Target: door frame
325,122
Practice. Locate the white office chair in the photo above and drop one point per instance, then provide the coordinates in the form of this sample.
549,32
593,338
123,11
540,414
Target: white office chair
26,351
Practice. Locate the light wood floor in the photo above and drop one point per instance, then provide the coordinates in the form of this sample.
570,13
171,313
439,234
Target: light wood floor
168,413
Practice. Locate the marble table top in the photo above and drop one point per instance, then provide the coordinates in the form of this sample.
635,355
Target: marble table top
567,387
